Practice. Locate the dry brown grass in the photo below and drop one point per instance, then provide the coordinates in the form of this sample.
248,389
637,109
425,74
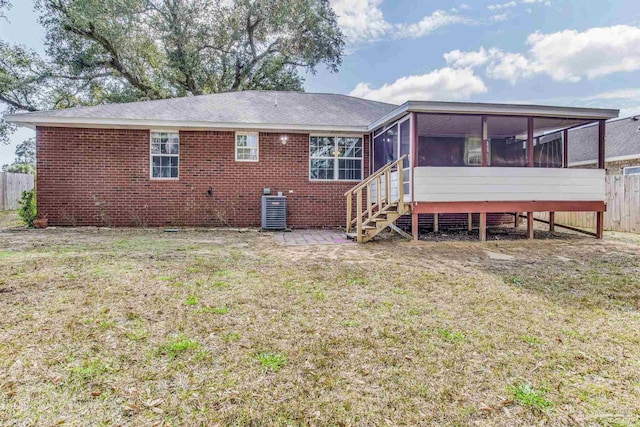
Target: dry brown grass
142,327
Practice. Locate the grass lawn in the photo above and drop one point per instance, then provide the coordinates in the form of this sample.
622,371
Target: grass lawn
142,327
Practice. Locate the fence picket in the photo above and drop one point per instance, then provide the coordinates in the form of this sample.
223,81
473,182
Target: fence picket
623,207
11,187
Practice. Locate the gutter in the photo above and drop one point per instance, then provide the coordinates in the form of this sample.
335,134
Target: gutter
32,120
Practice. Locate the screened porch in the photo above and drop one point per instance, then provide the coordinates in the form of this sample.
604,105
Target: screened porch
490,158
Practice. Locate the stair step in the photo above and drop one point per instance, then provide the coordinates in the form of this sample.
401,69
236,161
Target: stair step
369,227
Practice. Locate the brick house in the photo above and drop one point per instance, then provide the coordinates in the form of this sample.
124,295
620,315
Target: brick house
207,160
623,147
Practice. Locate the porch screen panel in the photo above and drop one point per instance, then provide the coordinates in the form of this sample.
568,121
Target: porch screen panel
507,141
385,147
405,142
548,142
405,149
449,140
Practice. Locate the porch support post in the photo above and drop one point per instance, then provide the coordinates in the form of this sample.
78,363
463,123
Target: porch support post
565,148
599,225
529,225
436,226
552,222
530,142
413,161
516,221
414,226
485,142
470,221
601,141
602,129
483,226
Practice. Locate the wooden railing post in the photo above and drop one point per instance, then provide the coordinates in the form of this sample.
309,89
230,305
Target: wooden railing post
387,186
349,207
369,202
359,215
379,191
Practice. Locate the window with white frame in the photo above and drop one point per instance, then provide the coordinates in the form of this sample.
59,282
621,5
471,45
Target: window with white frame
336,158
165,153
246,147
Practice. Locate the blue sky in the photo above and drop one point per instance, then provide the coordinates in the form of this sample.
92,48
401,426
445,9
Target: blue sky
560,52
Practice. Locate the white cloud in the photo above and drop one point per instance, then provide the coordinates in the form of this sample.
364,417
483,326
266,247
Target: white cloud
500,17
429,24
500,6
509,66
630,111
570,55
619,94
567,55
442,84
362,21
458,59
626,100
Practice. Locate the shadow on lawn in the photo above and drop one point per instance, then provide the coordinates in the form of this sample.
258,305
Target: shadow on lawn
609,280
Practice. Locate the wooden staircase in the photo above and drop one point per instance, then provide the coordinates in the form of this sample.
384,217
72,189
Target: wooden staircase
380,211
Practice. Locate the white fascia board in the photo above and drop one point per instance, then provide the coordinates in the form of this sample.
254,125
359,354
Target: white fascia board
513,109
32,120
583,163
495,109
607,160
623,158
389,117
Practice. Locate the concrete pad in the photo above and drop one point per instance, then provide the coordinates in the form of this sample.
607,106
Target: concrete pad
311,237
499,256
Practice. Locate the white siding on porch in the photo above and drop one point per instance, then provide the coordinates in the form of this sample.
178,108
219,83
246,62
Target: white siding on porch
479,184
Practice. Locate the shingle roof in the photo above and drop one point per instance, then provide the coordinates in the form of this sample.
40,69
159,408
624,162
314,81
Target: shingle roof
241,108
622,139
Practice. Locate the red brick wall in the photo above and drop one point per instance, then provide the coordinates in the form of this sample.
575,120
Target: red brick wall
101,177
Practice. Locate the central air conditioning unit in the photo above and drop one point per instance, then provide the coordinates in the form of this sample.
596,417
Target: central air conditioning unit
274,212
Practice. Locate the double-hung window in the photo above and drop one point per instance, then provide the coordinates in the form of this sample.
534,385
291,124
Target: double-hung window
165,153
337,158
246,147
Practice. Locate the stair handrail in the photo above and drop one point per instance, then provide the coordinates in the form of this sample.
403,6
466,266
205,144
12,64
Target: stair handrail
381,202
375,175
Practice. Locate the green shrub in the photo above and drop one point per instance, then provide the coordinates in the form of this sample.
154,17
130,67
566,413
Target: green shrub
28,210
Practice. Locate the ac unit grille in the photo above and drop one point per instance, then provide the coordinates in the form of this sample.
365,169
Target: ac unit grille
274,212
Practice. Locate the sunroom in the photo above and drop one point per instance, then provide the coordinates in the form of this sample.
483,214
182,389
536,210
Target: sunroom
466,162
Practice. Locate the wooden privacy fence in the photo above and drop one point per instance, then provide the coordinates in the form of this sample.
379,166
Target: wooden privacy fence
11,187
623,207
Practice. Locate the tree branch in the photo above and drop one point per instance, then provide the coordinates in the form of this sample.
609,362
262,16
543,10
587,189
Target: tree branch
17,104
115,62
